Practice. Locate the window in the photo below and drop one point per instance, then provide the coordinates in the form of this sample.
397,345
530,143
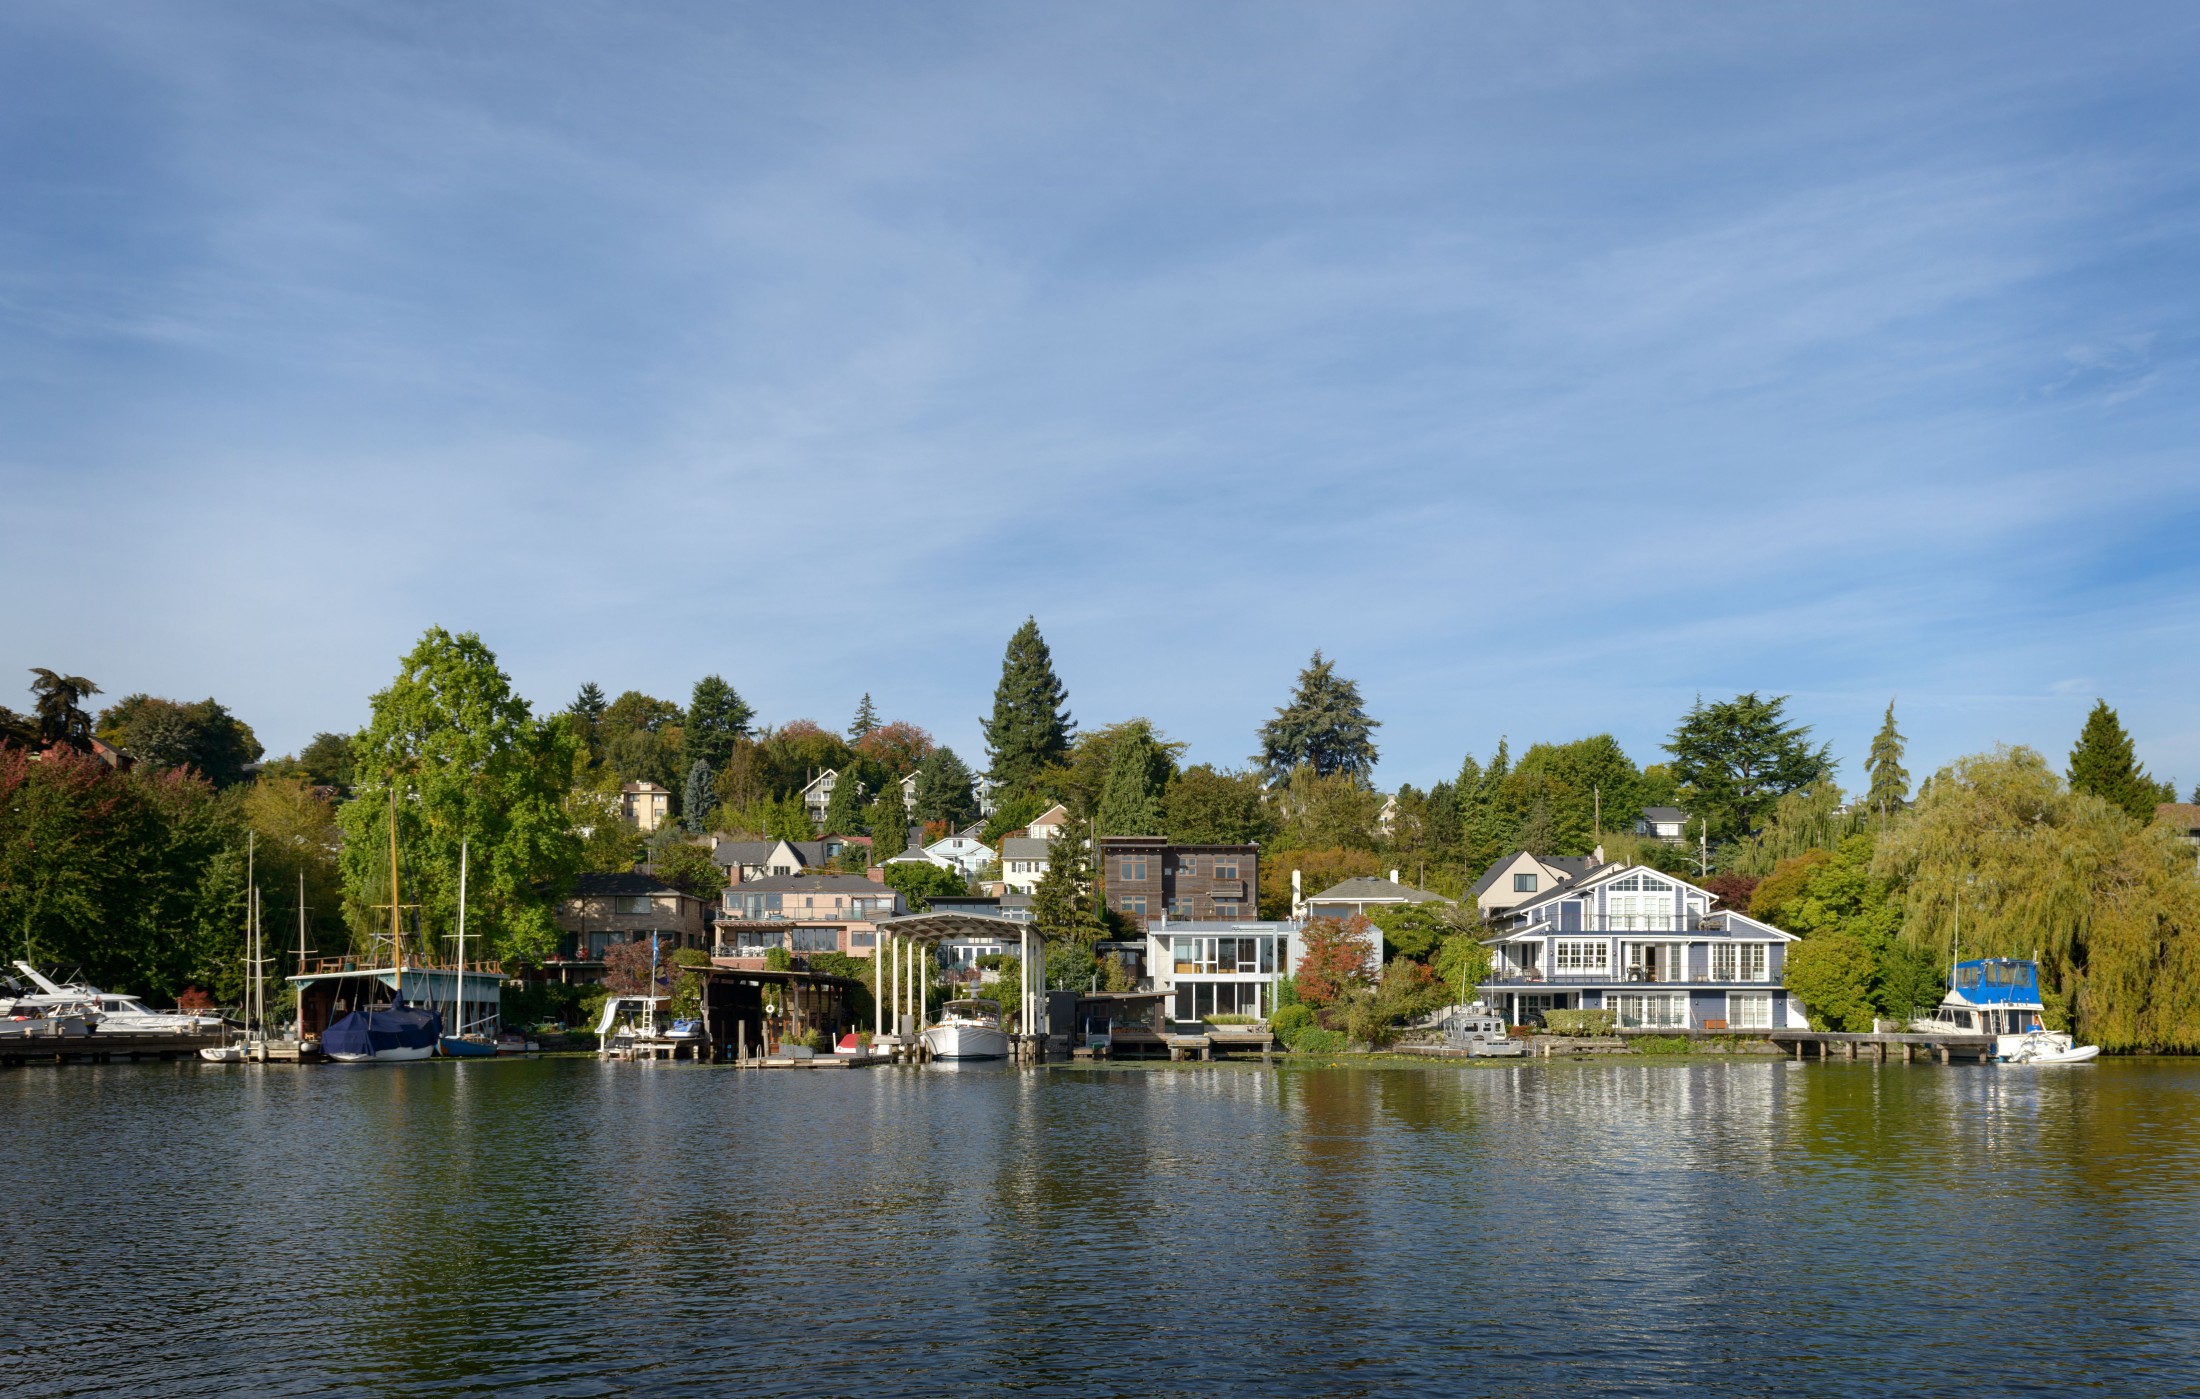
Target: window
1187,954
754,940
863,939
1523,884
1134,905
1582,956
1267,956
1226,867
1738,961
1748,1012
1187,864
815,940
1651,1012
1134,869
631,903
1226,908
1180,905
1645,912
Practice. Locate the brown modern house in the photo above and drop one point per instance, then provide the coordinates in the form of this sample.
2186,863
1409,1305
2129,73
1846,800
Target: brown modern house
1148,878
605,909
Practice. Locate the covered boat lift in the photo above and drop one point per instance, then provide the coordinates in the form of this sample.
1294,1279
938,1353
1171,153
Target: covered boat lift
904,971
338,985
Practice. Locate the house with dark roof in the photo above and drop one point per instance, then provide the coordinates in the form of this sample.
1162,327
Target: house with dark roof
1666,824
1366,894
606,909
745,860
1645,945
1522,876
1023,863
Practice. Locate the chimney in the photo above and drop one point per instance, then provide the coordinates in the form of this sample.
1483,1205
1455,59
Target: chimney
1394,876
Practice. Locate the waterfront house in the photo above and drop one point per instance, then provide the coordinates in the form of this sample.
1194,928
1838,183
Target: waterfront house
1362,896
606,909
1215,967
803,913
1645,945
1147,877
645,805
1522,876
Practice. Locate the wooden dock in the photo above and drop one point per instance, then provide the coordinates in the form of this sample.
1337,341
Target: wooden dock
96,1048
1833,1044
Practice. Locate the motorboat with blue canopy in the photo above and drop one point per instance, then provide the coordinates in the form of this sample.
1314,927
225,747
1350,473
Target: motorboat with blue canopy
2000,996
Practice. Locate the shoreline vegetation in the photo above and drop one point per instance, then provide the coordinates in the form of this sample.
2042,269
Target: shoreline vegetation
125,832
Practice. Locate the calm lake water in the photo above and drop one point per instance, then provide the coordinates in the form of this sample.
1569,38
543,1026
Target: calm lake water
563,1227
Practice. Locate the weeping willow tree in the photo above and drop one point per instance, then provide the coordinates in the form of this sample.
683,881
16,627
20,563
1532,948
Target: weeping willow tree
2001,859
1811,818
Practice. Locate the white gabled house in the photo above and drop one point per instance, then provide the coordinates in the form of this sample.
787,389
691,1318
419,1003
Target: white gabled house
1644,944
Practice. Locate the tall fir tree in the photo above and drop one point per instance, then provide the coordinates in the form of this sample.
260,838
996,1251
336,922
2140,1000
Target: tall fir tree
1324,727
844,808
2105,764
716,719
1486,829
1031,727
1736,758
866,719
889,818
945,790
1139,769
696,803
1066,905
1890,781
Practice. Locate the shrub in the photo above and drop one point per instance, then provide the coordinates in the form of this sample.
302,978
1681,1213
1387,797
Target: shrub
1369,1019
1314,1040
1578,1022
778,959
1662,1044
1231,1019
1290,1021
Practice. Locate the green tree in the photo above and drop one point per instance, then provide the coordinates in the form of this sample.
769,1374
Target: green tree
866,719
640,739
1832,972
1066,903
921,883
1139,770
2104,764
844,808
1324,727
1030,727
327,761
1415,930
1338,811
1081,779
467,761
945,790
688,867
889,818
716,717
1890,781
1587,789
1487,830
695,803
1206,807
1734,759
60,707
204,737
587,710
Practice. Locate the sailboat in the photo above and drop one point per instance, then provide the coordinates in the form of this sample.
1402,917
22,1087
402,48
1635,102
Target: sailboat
463,1045
241,1048
390,1034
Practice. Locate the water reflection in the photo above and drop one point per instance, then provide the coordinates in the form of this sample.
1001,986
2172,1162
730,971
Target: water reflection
569,1227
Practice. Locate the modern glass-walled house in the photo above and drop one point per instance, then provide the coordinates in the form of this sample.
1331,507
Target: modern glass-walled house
1211,967
1645,945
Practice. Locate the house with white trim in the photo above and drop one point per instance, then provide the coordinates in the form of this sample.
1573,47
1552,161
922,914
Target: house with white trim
1522,875
1642,943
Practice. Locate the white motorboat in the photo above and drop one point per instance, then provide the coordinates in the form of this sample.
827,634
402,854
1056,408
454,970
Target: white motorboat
111,1013
2000,996
1482,1035
231,1053
967,1030
28,1022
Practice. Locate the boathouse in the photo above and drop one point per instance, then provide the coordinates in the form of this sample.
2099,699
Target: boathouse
336,986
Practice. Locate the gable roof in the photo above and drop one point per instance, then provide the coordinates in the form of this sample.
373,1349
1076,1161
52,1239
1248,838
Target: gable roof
1663,813
1568,867
1023,848
1600,874
1055,815
814,884
727,853
1368,889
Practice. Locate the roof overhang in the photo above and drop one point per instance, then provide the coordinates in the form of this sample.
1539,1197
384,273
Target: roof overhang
938,926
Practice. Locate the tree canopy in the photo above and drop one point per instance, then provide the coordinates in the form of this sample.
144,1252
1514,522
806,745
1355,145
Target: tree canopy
60,707
1889,781
2105,764
202,736
1139,771
1324,727
716,717
1737,757
467,761
1030,727
1207,807
946,791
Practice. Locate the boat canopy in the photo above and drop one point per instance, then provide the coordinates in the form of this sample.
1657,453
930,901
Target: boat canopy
383,1028
1997,981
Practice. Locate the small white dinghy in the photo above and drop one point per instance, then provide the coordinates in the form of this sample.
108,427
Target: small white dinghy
223,1053
2046,1047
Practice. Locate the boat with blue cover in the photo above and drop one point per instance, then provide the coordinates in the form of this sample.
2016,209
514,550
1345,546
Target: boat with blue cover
2000,996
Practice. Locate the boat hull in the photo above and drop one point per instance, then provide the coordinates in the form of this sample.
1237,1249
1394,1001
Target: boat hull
455,1047
966,1042
399,1054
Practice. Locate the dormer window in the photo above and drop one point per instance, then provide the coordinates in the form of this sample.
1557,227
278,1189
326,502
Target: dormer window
1523,884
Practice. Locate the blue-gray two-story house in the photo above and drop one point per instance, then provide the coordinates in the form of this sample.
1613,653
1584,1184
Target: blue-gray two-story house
1645,945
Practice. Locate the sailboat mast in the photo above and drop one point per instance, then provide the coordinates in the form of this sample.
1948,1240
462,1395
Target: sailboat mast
251,895
397,934
458,997
301,953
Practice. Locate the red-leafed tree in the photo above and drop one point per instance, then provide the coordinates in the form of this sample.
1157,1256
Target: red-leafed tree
626,968
898,747
1339,955
1732,890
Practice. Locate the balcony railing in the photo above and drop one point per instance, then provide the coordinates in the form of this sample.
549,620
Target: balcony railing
1687,923
1632,976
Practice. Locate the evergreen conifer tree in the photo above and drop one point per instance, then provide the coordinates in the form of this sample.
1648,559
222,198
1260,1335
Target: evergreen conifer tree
1030,729
695,808
1890,781
1139,769
2104,763
716,717
945,790
1736,758
1065,903
889,823
1486,829
866,719
1324,727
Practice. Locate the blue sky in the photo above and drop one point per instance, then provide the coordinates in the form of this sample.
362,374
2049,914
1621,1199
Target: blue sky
1546,365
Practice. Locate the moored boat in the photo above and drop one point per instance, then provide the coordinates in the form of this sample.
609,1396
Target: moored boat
967,1030
2000,996
395,1033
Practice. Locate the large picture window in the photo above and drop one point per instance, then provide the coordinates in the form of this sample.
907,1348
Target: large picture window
1651,1012
1583,956
1745,1011
1738,961
815,940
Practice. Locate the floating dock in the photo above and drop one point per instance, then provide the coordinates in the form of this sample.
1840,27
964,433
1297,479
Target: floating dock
96,1048
1833,1044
